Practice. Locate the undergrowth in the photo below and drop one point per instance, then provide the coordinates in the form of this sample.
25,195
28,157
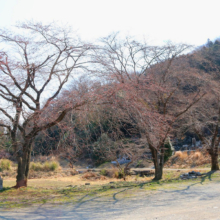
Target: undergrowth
46,166
5,164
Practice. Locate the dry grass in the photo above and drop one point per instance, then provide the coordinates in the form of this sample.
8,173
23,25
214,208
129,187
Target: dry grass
57,181
197,156
46,166
5,164
183,160
92,176
181,155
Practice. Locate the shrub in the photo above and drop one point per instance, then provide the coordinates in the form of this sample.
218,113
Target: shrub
119,174
47,166
197,155
54,165
140,164
181,155
90,175
36,166
178,154
168,149
104,172
5,164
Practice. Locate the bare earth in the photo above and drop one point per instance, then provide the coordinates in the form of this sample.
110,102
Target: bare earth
189,201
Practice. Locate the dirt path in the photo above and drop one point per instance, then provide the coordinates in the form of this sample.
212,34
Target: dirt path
165,169
189,201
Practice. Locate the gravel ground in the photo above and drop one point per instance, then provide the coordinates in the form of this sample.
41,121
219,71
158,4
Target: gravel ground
189,201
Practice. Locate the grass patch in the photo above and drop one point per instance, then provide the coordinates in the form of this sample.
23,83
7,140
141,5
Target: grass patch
73,189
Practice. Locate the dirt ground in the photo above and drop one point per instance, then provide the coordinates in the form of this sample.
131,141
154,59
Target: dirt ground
187,200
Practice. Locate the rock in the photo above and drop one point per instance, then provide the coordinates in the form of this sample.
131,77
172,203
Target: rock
111,182
190,175
87,184
112,187
79,171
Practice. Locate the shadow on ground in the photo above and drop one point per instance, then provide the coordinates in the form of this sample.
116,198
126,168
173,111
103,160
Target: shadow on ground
98,206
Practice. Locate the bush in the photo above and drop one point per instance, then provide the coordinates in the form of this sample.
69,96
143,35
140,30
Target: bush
5,164
181,155
104,172
168,150
36,166
47,166
119,174
90,176
140,164
53,165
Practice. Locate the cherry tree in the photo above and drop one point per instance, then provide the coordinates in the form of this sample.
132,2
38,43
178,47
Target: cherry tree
148,82
204,118
36,62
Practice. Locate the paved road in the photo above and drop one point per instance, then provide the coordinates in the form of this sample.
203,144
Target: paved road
188,202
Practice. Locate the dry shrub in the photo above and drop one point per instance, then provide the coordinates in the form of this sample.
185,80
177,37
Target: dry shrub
178,154
197,155
104,172
47,166
74,172
102,178
35,166
113,172
90,176
181,155
183,160
5,164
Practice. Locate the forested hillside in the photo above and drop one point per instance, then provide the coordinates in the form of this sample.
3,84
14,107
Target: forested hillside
84,132
129,98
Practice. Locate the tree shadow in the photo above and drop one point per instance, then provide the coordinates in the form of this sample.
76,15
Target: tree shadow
208,175
93,204
5,189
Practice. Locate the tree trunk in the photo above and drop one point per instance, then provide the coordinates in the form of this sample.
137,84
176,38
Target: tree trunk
158,164
158,172
214,158
214,161
23,159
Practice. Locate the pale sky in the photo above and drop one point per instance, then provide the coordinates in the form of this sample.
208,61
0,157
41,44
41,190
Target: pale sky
180,21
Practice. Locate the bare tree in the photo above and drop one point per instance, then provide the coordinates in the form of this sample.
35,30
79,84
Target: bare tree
204,117
148,82
35,65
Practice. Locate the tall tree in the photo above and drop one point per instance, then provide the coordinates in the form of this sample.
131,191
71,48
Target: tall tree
149,82
204,117
35,65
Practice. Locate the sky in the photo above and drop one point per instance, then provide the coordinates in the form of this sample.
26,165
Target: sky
157,21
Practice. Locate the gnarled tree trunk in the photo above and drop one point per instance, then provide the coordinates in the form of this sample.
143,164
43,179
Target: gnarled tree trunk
158,163
23,159
213,152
